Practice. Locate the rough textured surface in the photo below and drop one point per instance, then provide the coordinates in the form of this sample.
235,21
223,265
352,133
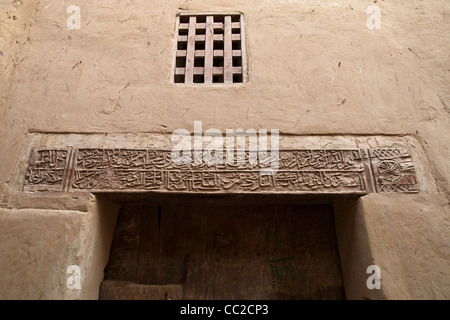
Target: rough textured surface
39,245
413,258
31,269
393,80
313,68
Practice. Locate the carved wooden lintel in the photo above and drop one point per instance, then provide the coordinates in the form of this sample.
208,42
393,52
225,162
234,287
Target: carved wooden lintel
322,171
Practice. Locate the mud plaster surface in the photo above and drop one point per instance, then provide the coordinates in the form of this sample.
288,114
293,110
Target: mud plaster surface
313,69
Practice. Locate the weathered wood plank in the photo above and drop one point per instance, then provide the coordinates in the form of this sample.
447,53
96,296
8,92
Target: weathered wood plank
215,70
209,49
150,263
217,25
172,239
181,53
228,52
120,290
189,75
234,251
219,53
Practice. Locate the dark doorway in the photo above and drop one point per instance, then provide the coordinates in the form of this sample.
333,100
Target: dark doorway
195,251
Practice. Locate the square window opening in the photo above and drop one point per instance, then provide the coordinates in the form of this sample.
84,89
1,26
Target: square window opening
218,79
217,38
199,78
199,62
180,62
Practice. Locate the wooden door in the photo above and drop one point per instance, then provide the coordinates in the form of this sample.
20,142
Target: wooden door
224,252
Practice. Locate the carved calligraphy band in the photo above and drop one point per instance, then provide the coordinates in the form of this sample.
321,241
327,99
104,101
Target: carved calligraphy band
300,172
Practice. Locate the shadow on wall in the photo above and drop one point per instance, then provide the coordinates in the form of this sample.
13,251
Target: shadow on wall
98,235
355,250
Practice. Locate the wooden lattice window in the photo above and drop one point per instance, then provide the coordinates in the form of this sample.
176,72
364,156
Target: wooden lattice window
209,49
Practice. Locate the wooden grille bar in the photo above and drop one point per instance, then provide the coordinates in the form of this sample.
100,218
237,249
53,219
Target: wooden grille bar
189,77
209,49
217,37
227,52
201,70
217,25
201,53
